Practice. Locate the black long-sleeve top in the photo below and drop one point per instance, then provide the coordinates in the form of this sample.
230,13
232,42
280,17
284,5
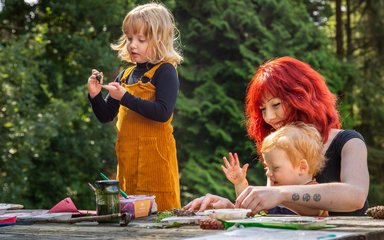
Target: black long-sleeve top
166,82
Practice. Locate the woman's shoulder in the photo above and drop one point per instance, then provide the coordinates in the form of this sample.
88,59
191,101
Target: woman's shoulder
348,134
339,137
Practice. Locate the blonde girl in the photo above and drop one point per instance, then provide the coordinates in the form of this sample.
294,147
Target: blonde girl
143,98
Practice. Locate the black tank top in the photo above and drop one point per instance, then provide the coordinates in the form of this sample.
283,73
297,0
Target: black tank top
331,171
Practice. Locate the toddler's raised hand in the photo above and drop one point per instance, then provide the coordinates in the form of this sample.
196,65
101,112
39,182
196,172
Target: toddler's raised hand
234,173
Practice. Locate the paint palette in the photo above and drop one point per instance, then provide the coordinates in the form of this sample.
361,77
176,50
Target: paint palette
228,214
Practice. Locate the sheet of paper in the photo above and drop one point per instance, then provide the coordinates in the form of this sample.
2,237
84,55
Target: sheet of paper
295,222
270,233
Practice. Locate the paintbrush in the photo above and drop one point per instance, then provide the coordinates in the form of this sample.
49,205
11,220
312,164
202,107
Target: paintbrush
92,187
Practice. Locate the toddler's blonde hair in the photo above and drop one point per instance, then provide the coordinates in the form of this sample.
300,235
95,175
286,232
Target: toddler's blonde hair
299,141
156,22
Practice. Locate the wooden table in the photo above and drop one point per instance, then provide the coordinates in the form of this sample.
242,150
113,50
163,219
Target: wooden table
362,227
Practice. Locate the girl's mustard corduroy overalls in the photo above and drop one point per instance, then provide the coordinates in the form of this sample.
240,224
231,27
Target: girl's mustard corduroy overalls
146,150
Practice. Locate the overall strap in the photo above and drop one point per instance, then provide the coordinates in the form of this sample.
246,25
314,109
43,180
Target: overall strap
149,74
127,71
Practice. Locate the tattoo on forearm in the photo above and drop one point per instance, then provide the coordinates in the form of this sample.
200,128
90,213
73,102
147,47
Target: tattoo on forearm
317,197
306,197
295,197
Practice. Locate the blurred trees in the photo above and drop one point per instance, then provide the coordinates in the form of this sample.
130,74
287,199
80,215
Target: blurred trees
52,144
360,43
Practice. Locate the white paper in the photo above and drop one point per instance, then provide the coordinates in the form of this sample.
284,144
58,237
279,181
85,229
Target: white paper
272,233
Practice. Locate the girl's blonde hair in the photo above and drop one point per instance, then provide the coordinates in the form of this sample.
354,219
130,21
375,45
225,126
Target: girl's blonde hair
299,141
156,22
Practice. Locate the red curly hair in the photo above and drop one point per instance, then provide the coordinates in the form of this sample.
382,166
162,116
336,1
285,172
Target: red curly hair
303,92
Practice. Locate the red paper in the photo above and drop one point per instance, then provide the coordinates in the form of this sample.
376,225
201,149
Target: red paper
65,205
7,221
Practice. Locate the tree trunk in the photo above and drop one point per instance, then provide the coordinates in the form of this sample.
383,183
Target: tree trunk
339,30
348,30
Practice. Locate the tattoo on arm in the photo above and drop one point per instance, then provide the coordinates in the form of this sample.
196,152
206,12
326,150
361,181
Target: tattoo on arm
317,197
306,197
295,197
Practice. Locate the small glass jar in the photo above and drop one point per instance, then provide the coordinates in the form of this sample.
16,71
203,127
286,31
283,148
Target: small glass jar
107,198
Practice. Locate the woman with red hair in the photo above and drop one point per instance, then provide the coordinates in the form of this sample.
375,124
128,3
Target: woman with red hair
285,90
301,89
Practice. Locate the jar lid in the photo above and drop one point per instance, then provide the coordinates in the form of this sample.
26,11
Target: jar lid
107,183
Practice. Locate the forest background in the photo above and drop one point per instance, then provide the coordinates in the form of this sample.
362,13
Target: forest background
52,145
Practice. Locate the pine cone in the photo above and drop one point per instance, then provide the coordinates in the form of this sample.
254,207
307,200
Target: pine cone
183,213
211,224
376,212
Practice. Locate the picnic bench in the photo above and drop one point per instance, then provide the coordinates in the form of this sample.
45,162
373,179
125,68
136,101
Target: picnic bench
142,228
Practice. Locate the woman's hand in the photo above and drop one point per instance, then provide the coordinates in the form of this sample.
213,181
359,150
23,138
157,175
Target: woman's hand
94,86
259,198
115,90
234,173
209,201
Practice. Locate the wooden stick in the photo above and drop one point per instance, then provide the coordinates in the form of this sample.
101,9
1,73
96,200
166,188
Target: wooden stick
74,220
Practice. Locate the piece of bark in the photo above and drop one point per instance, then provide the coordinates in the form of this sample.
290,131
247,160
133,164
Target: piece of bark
74,220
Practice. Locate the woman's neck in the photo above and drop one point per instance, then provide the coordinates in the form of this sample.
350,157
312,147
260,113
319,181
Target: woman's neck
332,134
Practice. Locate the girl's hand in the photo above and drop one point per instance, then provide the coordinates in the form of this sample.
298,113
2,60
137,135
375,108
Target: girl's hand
234,173
208,201
94,86
115,90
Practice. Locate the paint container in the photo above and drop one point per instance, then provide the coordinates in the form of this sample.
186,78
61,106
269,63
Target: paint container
138,205
107,198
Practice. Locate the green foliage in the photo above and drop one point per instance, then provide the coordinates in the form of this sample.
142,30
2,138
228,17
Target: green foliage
365,90
362,77
376,193
18,88
53,145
